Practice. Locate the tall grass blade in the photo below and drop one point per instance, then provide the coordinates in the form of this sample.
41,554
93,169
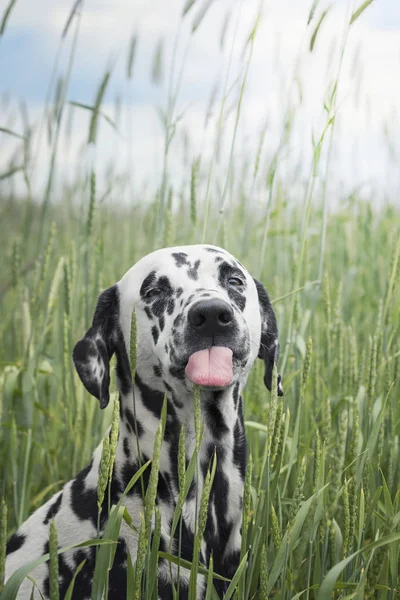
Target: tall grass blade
357,13
317,28
6,16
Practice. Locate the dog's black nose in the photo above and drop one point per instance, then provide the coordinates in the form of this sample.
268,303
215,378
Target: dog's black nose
210,317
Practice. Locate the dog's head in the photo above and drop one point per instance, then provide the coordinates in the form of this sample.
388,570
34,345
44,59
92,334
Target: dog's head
201,319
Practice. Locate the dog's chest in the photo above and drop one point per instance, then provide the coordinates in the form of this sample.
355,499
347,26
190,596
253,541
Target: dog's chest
218,457
222,453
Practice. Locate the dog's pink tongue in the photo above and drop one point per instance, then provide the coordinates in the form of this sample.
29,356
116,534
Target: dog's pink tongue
211,367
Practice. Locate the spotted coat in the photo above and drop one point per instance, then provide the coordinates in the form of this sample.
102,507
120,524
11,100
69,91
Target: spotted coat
161,288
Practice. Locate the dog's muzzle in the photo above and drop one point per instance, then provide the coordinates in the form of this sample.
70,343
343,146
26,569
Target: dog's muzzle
211,323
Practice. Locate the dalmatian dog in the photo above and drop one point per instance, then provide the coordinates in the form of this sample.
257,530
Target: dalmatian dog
201,319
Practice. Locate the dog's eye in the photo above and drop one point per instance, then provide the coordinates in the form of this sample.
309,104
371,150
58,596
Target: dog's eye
235,281
152,293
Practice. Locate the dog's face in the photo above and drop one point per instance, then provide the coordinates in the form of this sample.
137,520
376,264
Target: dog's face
200,316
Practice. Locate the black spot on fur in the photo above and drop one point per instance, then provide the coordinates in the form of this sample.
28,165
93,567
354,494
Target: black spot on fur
179,292
165,284
180,258
171,306
152,399
161,302
186,541
163,489
126,447
53,510
211,449
165,588
84,500
47,580
189,300
236,395
193,271
129,469
239,448
83,582
172,350
148,312
161,322
121,410
167,386
227,569
155,334
215,419
172,430
214,250
217,540
122,369
157,371
15,542
133,425
176,401
192,490
117,579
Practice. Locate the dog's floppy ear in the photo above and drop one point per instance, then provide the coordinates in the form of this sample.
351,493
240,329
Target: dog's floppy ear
269,344
93,352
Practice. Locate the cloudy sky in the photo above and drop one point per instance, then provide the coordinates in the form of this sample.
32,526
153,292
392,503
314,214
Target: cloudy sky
283,76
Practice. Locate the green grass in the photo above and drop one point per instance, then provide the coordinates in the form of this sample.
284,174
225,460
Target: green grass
322,503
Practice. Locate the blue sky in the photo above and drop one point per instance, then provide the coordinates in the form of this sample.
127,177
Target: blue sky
368,95
27,50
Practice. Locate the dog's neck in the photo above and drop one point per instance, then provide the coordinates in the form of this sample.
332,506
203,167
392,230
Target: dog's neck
141,412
